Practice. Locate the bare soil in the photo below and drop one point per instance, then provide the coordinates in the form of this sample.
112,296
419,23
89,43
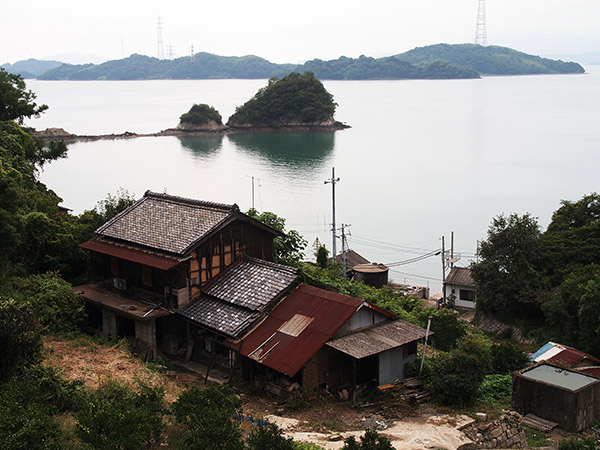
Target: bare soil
322,420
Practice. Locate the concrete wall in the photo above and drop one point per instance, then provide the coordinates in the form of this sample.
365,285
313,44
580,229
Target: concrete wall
146,332
109,324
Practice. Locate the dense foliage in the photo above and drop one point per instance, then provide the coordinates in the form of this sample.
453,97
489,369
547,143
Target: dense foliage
488,60
289,249
208,414
440,61
200,114
548,282
16,103
117,417
296,99
371,440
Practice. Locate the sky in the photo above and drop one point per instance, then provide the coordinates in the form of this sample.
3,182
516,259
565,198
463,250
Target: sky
287,32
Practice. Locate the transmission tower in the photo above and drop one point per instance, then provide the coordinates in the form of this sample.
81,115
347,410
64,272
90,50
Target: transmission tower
480,29
161,53
170,52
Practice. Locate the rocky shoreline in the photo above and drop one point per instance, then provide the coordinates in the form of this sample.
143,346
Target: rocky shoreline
59,134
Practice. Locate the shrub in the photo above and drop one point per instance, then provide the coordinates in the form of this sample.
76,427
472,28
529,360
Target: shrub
117,417
495,388
578,444
371,440
506,358
268,437
20,340
208,415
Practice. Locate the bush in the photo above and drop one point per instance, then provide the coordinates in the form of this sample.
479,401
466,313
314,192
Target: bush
371,440
208,415
20,340
117,417
268,437
578,444
53,302
495,388
506,358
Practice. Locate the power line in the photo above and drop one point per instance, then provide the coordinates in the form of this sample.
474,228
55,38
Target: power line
415,259
415,276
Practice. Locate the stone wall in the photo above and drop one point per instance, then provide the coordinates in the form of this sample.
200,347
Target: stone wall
506,432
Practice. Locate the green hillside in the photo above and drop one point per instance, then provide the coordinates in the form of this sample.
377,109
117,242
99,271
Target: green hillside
491,60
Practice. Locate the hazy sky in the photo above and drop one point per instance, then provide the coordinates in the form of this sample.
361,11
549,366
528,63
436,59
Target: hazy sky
284,31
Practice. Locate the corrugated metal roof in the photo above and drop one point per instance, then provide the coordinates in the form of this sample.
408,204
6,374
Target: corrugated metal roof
130,254
287,354
460,275
377,339
166,222
252,283
561,354
559,377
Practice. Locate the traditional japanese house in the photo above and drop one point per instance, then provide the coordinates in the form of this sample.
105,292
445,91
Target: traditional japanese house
321,338
154,259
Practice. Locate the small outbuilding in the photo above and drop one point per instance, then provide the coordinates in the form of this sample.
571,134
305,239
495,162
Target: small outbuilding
460,284
566,397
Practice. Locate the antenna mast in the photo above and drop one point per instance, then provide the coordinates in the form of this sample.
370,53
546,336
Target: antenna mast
480,29
160,53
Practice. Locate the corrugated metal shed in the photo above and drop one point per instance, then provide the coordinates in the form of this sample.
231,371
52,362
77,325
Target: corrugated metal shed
461,276
130,254
377,339
287,353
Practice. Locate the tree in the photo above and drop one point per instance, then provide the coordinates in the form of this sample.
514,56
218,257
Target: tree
322,256
288,250
200,114
117,417
371,440
16,103
572,239
208,415
269,437
20,339
508,274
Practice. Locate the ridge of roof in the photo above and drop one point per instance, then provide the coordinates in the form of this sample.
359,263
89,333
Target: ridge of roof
191,201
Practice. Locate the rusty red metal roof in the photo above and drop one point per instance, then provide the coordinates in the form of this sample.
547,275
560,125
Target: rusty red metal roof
130,254
298,327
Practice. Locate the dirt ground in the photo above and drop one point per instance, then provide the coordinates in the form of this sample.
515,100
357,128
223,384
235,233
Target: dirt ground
325,421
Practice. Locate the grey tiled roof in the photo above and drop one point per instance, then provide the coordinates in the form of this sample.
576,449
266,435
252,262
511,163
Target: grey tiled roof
237,297
166,222
219,315
253,283
460,275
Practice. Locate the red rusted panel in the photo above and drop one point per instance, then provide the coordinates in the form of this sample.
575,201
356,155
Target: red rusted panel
288,354
130,254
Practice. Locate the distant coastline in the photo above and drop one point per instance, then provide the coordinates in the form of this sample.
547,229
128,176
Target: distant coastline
440,61
58,134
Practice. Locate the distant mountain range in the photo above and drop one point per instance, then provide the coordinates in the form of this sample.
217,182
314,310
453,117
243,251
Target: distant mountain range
441,61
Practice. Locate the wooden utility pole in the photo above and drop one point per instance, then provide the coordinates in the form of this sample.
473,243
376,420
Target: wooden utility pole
443,272
333,180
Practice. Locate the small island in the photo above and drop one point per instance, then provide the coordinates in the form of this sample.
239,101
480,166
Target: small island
296,102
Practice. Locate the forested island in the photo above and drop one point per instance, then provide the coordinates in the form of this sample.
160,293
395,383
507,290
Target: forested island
441,61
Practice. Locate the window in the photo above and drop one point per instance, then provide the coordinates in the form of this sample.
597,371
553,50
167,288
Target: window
467,295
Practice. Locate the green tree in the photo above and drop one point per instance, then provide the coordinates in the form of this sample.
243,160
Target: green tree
117,418
16,103
288,250
508,274
506,358
371,440
458,375
20,339
572,239
269,437
208,413
200,114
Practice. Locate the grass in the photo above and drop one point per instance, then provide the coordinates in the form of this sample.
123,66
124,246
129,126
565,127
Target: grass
536,438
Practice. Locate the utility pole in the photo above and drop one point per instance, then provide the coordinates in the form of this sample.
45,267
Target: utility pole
257,179
344,247
333,180
443,272
451,250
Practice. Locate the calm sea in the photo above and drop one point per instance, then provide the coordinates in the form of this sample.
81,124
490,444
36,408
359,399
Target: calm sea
422,159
